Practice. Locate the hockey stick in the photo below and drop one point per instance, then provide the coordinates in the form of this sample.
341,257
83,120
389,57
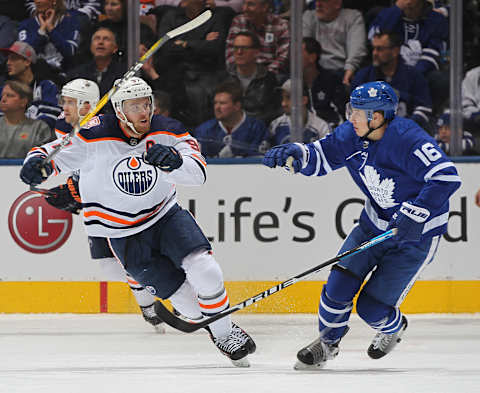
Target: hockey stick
189,327
193,24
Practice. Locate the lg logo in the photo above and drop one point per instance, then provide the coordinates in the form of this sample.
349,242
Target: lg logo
36,226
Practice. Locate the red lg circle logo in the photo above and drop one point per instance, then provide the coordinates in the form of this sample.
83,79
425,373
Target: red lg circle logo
36,226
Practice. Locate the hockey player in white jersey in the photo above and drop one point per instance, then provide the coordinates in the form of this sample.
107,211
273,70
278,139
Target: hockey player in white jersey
130,163
407,181
78,97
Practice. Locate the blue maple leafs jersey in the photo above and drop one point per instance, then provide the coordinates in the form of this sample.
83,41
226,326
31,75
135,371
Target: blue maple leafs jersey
405,165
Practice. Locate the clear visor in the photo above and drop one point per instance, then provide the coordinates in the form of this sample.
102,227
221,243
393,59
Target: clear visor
354,114
67,101
136,108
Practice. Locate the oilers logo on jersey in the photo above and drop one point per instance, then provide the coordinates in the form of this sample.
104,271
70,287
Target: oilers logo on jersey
133,177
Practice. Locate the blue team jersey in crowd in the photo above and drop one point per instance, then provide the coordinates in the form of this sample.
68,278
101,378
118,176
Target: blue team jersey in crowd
44,105
424,40
58,46
415,101
244,139
405,165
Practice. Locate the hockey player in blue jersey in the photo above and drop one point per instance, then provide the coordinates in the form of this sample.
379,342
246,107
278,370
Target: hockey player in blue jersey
407,181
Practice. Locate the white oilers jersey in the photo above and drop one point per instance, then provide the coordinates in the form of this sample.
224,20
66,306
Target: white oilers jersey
121,194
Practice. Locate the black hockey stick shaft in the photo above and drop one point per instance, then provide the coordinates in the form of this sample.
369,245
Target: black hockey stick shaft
193,24
189,327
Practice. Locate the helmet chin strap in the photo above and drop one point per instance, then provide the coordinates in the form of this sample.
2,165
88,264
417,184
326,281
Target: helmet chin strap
370,129
132,128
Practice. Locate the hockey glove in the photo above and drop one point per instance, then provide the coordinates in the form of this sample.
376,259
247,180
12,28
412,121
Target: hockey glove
279,155
34,171
409,221
167,158
66,197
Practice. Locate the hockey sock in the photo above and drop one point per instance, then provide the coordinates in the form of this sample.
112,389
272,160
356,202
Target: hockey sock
114,271
213,304
205,275
185,301
142,296
336,303
333,318
380,316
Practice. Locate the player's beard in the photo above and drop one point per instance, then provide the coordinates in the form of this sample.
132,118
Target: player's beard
142,127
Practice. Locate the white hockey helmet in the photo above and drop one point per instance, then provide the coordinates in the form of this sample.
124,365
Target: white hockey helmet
83,90
132,88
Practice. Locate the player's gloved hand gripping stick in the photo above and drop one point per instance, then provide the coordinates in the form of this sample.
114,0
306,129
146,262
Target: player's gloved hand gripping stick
194,23
189,327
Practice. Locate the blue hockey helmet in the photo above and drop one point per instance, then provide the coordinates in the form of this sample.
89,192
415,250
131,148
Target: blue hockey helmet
375,96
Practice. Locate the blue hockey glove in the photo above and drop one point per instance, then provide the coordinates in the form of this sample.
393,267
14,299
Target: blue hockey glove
167,158
278,156
34,171
409,221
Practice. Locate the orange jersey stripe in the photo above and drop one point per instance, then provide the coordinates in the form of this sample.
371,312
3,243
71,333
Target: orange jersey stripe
60,132
199,159
169,133
38,148
133,282
119,220
220,303
55,170
99,139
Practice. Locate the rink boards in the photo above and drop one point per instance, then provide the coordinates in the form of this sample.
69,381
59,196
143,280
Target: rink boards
265,226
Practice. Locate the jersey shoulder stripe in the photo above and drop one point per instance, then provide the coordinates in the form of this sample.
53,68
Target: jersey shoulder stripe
102,128
176,135
90,140
174,127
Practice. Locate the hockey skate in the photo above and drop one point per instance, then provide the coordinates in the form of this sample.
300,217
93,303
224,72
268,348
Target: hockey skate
315,355
384,343
152,318
236,346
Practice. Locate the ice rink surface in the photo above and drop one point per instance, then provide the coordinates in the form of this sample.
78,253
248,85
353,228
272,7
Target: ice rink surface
121,353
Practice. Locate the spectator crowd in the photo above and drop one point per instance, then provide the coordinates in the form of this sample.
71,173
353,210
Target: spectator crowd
228,80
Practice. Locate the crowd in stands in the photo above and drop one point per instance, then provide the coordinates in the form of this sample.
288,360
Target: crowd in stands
228,80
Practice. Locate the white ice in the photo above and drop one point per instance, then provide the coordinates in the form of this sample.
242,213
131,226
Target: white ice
121,353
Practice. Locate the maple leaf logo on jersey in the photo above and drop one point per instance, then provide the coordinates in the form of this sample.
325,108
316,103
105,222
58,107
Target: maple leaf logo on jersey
381,191
372,92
